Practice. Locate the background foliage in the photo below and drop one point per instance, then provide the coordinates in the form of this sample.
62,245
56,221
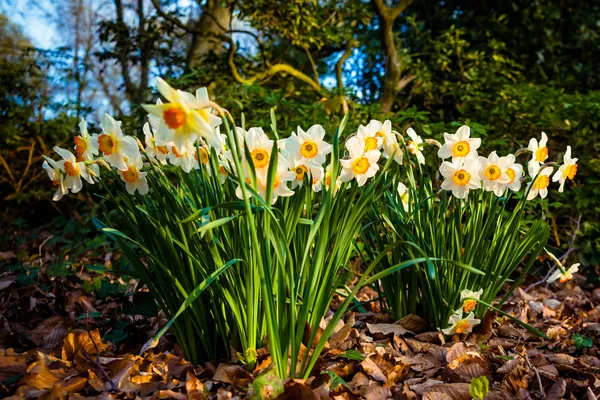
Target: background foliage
508,69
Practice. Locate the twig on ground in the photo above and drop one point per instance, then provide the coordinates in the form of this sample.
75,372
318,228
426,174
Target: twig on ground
537,375
113,387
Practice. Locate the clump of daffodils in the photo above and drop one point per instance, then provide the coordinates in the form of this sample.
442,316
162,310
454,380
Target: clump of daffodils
466,170
184,131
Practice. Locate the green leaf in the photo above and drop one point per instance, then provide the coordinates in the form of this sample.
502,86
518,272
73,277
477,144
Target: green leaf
479,388
581,341
335,381
266,386
353,355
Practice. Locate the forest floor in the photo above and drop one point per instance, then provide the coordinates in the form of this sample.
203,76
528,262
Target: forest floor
68,329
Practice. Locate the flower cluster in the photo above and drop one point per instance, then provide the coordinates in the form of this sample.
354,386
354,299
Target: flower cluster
183,130
468,171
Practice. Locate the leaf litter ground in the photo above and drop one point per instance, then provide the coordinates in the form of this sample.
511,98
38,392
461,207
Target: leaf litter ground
70,329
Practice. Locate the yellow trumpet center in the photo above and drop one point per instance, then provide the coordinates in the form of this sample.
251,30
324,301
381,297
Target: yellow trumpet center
370,143
71,168
566,277
541,154
80,147
309,149
260,158
461,177
360,165
462,326
163,149
381,134
469,305
461,149
174,117
571,171
541,182
106,144
511,174
300,170
130,175
492,172
412,147
203,155
176,152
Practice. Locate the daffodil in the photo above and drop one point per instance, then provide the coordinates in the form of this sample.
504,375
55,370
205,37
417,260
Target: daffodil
415,145
403,193
317,179
539,149
374,134
134,177
493,173
361,165
115,146
390,142
564,276
459,145
513,170
85,145
280,189
459,325
56,175
461,175
540,180
308,148
159,152
184,118
566,171
73,170
301,171
468,297
259,147
186,159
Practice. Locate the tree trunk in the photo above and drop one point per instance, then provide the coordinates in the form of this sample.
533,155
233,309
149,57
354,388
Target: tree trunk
215,20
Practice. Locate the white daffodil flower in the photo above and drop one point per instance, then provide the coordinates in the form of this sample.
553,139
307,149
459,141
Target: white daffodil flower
466,295
259,147
493,174
373,140
317,179
566,171
461,175
415,145
56,175
564,276
540,181
403,193
73,170
539,150
115,146
185,159
280,189
308,148
513,170
361,165
158,152
85,145
390,141
459,325
184,118
459,145
134,177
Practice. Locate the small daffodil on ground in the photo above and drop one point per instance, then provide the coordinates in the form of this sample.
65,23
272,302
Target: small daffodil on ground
113,144
85,145
134,178
539,150
403,193
361,165
566,171
460,176
459,145
73,170
468,299
540,181
493,173
565,276
53,169
459,325
308,148
513,170
415,145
